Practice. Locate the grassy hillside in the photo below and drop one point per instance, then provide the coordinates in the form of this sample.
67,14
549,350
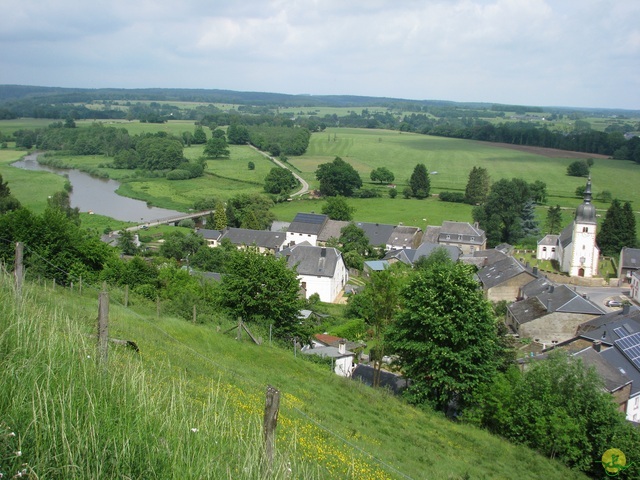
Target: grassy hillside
190,405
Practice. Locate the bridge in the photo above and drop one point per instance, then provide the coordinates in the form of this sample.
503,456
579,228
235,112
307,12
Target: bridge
175,219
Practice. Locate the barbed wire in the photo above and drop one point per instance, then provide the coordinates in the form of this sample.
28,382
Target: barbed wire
209,360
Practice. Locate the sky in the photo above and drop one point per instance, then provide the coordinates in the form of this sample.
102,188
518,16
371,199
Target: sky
576,53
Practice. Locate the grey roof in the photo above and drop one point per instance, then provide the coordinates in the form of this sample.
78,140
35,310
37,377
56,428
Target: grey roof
377,233
431,234
624,366
500,272
259,238
563,299
209,234
331,352
586,211
278,226
566,236
310,223
491,255
613,378
310,260
376,265
527,310
603,327
461,232
551,240
411,255
536,287
331,229
630,258
403,236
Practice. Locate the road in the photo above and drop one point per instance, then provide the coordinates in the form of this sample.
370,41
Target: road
305,185
599,295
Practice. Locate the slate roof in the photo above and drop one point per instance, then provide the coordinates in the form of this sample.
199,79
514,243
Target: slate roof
393,382
259,238
403,236
612,376
491,255
566,236
563,299
500,272
333,341
410,256
331,229
630,258
377,265
310,260
377,233
536,287
602,328
469,233
331,352
309,223
527,310
624,366
431,234
551,240
208,234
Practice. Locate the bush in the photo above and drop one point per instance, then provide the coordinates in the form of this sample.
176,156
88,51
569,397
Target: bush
393,193
251,165
352,330
178,175
366,193
455,197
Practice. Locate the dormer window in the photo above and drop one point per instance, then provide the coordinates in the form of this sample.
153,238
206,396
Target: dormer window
473,238
448,237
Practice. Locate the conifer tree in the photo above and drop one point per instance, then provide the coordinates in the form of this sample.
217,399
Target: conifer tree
554,220
477,186
419,181
615,231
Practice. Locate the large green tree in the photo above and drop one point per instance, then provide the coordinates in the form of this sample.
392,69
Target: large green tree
501,215
617,229
419,182
554,220
263,289
579,168
280,181
337,208
478,186
216,147
159,153
382,175
445,336
338,178
559,408
237,134
250,211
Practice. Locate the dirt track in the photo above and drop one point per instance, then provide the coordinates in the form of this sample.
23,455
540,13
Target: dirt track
548,152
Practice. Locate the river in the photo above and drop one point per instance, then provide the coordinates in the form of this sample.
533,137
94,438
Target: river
98,195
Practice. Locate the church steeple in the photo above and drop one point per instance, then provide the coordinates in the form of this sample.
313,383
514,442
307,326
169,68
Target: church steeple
586,212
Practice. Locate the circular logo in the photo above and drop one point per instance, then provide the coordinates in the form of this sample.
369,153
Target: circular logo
614,461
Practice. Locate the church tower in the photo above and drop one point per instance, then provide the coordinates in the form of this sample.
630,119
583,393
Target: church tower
585,253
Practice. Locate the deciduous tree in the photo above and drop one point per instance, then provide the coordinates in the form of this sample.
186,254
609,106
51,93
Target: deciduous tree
579,168
445,336
279,181
216,147
337,208
338,178
382,175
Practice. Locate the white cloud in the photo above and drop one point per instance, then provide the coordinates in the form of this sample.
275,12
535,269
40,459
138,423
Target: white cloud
542,52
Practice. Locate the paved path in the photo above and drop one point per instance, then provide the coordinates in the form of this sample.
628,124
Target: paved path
303,182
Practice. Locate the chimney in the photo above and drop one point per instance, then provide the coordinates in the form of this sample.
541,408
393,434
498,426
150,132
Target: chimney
597,345
535,271
548,304
626,308
323,252
551,288
342,347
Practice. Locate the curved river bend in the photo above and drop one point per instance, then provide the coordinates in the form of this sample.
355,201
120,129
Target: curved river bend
98,195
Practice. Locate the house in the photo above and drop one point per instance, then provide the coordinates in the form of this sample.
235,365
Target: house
635,287
341,358
326,340
410,256
629,263
503,279
575,248
403,237
551,316
212,237
378,234
331,229
321,270
375,266
615,336
264,240
467,237
305,228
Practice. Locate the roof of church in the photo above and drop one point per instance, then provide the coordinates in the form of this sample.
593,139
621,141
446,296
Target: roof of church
586,211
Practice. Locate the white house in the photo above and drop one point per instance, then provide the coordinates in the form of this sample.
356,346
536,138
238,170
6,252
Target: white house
305,228
469,238
321,270
635,286
342,358
575,248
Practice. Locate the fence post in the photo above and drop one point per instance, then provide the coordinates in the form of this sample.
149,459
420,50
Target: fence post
126,296
103,324
271,408
53,284
80,285
194,314
18,270
239,337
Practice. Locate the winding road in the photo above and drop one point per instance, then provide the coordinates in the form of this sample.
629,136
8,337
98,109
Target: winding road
303,182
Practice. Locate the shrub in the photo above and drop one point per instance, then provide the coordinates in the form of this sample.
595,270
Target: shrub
178,175
455,197
251,165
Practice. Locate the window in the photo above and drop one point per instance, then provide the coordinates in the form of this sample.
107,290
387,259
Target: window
473,238
459,237
544,249
585,229
553,249
448,237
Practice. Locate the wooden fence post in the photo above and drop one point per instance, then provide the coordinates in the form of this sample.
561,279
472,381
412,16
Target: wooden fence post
126,296
194,314
271,408
53,284
239,337
80,285
103,325
18,270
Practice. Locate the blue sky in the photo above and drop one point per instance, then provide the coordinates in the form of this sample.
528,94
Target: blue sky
566,53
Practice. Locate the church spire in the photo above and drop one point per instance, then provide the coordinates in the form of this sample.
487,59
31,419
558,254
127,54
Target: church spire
586,212
587,191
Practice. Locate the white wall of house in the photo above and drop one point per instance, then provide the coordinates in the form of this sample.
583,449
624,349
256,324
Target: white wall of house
327,288
633,409
343,366
294,238
635,287
546,252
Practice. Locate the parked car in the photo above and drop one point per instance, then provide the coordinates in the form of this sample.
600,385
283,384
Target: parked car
613,303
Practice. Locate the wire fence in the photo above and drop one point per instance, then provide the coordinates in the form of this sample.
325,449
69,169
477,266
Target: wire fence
235,373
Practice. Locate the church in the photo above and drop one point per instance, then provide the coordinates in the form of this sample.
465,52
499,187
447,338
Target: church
575,248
